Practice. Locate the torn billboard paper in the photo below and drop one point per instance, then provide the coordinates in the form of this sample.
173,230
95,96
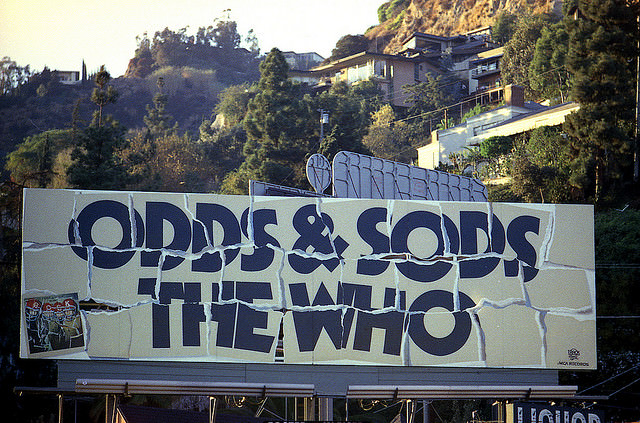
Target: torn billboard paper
162,276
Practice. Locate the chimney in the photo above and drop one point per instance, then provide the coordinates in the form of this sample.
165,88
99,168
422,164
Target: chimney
514,95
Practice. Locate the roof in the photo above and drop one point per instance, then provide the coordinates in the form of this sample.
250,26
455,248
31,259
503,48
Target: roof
498,51
357,58
431,36
472,47
477,30
548,116
300,54
540,114
446,38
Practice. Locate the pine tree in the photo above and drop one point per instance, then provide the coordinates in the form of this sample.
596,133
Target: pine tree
601,57
157,120
103,94
519,51
277,126
94,165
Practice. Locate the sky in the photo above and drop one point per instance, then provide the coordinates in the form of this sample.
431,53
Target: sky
61,34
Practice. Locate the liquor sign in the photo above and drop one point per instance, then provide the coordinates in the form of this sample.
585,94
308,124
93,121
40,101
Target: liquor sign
522,412
343,281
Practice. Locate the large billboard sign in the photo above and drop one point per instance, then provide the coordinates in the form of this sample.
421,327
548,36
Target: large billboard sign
339,281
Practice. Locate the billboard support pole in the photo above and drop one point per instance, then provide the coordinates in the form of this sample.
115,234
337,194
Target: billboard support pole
110,408
60,407
410,411
426,414
309,408
213,401
325,409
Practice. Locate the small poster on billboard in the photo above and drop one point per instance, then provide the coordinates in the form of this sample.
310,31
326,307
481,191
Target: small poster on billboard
53,324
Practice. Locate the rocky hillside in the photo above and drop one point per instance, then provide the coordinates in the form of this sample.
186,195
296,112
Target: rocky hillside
446,17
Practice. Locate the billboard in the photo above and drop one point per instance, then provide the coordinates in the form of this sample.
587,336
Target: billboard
360,176
338,281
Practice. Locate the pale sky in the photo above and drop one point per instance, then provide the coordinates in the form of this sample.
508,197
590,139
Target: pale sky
60,34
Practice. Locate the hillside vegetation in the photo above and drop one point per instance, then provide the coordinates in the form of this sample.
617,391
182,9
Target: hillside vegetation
194,70
401,18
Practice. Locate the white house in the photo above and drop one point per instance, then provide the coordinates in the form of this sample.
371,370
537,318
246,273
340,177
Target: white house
516,116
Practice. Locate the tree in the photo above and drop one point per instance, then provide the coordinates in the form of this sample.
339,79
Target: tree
225,35
32,163
142,63
157,120
547,73
169,162
223,149
389,139
348,45
234,102
601,57
277,126
541,168
429,95
349,109
495,147
103,94
504,26
519,51
391,9
12,76
215,47
94,165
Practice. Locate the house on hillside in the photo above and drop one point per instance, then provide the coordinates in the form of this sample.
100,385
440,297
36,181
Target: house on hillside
421,54
455,53
516,116
390,72
68,77
302,61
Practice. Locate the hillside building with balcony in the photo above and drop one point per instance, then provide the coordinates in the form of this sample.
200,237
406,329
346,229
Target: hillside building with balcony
68,77
420,54
484,72
390,72
455,53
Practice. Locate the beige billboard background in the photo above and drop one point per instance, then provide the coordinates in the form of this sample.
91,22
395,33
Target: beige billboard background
330,281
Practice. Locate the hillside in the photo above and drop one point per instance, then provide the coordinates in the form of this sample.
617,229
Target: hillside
445,17
192,96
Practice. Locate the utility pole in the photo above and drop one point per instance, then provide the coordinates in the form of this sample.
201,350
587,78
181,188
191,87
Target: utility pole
636,165
324,118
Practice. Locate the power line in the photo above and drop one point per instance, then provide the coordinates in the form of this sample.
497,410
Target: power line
624,387
618,317
609,379
618,265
